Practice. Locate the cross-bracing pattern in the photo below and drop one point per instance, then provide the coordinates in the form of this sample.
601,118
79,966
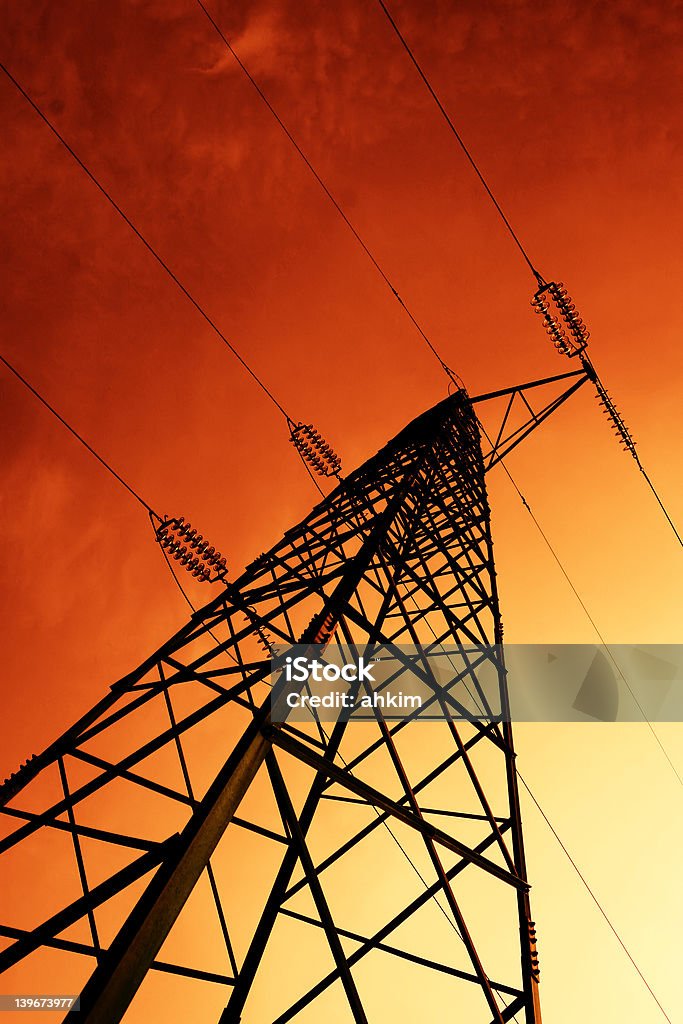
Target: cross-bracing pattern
194,853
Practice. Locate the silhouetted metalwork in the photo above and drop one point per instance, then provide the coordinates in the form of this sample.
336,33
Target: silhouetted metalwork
384,840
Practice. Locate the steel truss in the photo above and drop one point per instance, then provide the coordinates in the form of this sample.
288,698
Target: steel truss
135,807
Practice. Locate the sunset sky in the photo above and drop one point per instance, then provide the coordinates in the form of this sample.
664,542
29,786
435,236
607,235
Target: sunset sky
573,112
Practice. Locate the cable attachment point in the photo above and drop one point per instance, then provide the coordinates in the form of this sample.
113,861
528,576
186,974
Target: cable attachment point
314,450
561,320
194,553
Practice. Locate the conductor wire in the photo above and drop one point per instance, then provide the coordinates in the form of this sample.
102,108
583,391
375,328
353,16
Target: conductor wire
150,248
459,139
79,437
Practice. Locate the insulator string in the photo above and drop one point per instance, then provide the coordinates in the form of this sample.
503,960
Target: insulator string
182,542
314,450
570,335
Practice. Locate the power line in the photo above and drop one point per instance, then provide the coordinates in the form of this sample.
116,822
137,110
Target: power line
103,462
513,234
660,502
387,281
549,823
479,707
461,142
452,375
299,150
150,248
160,260
366,249
292,139
540,280
258,380
583,879
138,498
291,424
590,618
444,367
354,231
186,596
593,896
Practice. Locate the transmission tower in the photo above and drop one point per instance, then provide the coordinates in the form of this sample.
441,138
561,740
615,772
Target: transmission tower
354,872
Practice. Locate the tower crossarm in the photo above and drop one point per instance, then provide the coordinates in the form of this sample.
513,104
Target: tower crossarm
517,416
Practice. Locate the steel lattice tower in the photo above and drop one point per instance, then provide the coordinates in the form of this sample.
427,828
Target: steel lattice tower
386,860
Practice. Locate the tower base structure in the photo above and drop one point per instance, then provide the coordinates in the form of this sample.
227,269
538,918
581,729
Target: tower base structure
180,849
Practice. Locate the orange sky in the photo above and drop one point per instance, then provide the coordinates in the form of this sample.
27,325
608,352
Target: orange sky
573,112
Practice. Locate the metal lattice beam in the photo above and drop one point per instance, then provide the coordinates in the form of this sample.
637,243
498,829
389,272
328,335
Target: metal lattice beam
399,553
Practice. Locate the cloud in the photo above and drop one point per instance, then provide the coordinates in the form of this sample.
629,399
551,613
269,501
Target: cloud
260,44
